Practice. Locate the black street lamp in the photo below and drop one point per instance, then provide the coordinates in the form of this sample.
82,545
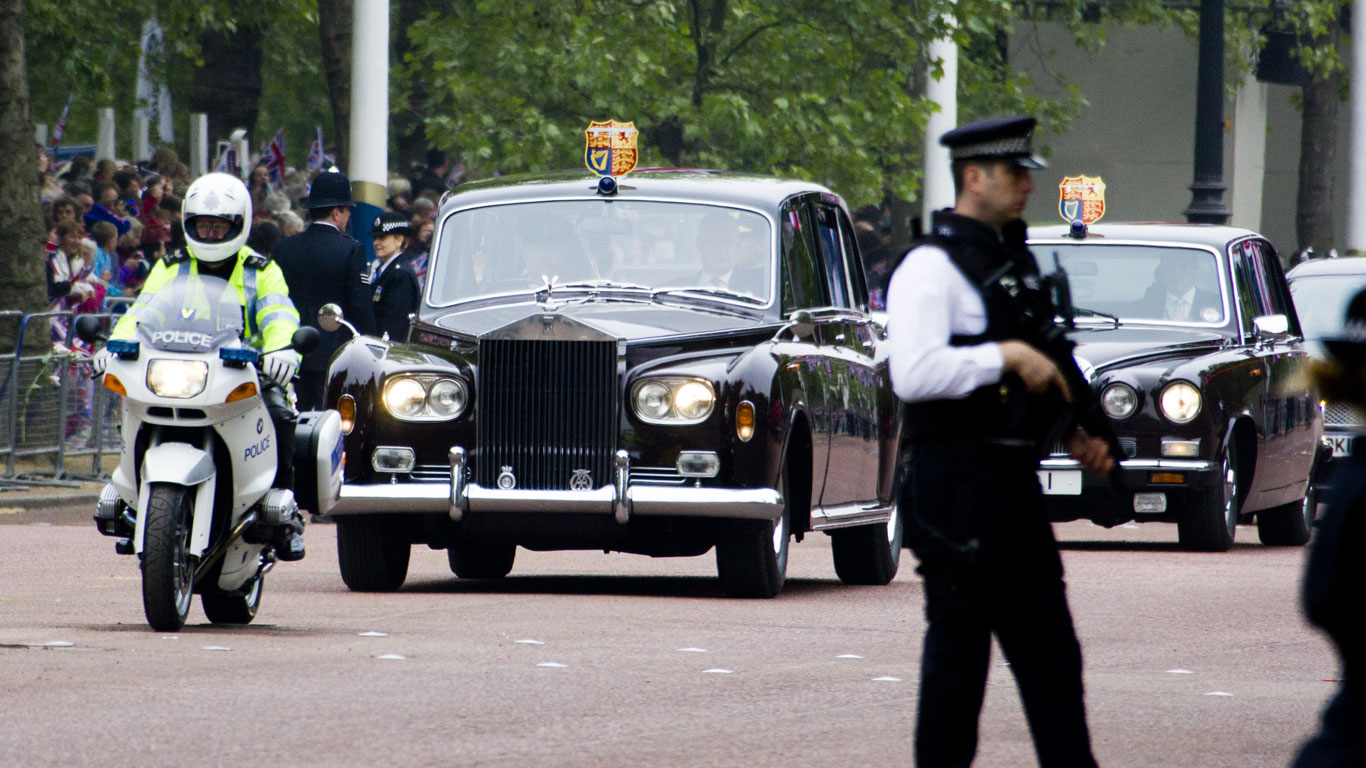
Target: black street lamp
1207,191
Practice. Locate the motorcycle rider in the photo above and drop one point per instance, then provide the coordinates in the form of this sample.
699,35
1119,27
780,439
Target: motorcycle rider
217,217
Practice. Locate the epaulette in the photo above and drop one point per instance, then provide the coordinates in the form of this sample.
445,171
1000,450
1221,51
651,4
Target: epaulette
176,256
257,260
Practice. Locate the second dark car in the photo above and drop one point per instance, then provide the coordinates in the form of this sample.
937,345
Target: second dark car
1191,341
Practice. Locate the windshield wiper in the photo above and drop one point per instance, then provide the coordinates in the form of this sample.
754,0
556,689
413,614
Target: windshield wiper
726,292
603,283
1085,312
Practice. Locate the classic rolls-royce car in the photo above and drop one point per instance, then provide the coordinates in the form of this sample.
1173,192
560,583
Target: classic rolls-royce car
663,364
1191,342
1322,288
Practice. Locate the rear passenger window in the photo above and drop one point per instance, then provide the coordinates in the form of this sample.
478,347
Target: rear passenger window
831,256
801,287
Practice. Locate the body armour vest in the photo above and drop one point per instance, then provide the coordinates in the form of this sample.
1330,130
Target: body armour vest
1006,276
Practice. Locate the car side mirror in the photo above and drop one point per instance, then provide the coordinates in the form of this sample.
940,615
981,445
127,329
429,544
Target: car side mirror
88,328
801,324
330,317
306,340
1272,327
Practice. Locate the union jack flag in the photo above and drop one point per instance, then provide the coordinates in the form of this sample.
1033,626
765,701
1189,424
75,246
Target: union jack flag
273,158
315,152
61,125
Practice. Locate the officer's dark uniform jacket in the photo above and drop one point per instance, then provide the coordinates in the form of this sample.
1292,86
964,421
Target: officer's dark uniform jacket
396,295
322,266
1017,307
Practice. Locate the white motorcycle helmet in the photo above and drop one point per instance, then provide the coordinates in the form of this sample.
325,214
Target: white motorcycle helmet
221,196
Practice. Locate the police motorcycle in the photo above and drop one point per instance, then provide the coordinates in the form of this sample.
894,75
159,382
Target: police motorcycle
192,495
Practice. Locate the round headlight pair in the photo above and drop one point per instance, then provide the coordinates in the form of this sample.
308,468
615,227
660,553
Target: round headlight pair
673,400
414,398
1179,402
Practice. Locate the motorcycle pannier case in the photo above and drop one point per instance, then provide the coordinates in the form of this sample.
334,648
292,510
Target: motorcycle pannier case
318,460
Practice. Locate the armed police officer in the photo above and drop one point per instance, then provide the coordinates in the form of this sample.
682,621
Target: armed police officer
217,216
966,312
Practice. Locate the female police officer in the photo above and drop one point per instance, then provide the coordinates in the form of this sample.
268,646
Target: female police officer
960,309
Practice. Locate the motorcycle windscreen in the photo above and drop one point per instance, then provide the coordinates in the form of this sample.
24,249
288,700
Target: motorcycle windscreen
192,313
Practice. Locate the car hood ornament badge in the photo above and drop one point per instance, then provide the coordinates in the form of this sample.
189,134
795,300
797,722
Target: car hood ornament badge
506,480
581,481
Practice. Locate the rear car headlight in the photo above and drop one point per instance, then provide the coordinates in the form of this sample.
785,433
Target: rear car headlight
177,379
425,398
673,399
1180,402
1119,401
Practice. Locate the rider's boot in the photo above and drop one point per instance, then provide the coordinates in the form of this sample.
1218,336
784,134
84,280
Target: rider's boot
291,546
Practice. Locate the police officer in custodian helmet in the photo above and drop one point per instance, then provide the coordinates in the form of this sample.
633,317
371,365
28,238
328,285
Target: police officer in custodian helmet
959,308
324,265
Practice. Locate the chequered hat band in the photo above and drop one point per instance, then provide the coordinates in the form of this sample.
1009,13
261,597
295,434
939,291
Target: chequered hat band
389,226
1012,147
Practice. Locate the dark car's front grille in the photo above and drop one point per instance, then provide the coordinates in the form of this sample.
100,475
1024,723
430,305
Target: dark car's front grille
1128,444
1341,415
547,411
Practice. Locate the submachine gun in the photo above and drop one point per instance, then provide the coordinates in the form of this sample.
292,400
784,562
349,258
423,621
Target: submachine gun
1084,410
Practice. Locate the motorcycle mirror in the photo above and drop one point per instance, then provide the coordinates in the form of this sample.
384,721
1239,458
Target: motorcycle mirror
330,317
88,328
306,340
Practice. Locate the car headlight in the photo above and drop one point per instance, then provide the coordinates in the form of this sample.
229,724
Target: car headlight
425,398
1119,401
177,378
673,399
1180,402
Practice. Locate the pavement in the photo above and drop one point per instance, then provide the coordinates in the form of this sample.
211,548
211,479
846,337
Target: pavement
27,503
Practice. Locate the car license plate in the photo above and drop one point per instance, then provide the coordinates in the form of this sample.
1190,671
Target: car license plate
1060,482
1341,444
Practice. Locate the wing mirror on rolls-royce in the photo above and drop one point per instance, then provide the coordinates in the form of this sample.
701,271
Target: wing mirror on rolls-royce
330,319
801,324
1272,328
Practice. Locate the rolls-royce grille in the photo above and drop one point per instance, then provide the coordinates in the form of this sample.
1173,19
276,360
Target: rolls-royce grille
1341,415
547,414
1128,444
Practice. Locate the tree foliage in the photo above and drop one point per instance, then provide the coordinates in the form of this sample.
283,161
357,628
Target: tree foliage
831,92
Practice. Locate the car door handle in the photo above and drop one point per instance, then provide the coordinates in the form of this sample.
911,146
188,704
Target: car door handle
839,337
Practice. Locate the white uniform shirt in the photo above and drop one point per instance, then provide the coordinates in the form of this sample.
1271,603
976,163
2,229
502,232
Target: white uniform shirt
929,300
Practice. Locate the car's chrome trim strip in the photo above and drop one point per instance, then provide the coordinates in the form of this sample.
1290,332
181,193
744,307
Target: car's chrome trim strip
1189,465
848,516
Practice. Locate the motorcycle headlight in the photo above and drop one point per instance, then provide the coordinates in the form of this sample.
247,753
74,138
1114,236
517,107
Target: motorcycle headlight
178,379
1119,401
425,398
1180,402
673,399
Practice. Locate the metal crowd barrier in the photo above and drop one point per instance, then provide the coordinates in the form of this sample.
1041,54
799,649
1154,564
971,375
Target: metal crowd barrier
51,408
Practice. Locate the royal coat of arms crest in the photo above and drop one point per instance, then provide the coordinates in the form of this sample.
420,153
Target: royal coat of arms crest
610,149
1081,198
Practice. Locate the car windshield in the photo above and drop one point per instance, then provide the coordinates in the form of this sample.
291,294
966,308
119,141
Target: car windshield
1141,283
1321,301
633,244
191,313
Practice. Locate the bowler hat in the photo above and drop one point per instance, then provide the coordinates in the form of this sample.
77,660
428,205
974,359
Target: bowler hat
329,190
391,223
996,138
1349,344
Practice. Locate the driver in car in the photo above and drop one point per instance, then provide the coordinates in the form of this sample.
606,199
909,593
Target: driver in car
734,254
217,216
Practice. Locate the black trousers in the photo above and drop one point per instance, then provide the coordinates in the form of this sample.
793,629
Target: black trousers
1340,742
283,417
990,566
308,389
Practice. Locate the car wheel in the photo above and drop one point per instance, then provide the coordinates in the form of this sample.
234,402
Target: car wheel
1288,525
479,560
751,556
868,554
236,607
1210,526
373,556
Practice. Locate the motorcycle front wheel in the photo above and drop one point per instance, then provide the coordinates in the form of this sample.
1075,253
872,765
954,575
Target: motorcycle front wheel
167,568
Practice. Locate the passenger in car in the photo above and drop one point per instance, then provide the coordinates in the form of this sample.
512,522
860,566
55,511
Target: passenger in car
553,251
734,255
1174,294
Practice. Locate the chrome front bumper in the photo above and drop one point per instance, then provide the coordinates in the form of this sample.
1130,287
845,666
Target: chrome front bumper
620,499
